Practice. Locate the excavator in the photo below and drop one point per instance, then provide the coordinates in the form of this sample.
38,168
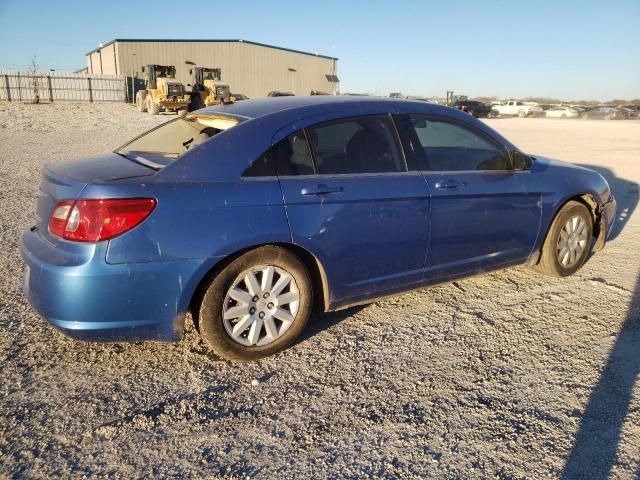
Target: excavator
162,92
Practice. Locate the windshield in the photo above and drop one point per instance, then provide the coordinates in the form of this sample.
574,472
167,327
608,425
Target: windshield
164,144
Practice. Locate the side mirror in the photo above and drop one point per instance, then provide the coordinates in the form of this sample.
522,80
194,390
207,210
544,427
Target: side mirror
520,161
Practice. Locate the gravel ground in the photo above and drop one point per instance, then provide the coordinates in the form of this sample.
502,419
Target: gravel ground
506,375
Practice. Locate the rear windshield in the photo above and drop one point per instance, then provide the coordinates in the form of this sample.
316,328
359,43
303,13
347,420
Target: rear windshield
164,144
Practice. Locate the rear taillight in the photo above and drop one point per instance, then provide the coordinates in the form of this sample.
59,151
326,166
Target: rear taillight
97,220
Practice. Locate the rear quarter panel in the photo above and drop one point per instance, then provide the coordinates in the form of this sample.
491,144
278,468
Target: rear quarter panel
199,223
198,219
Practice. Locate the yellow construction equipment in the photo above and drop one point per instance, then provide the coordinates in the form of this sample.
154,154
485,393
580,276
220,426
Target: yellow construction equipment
208,89
162,92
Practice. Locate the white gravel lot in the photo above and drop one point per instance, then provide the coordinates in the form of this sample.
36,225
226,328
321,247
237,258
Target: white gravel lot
506,375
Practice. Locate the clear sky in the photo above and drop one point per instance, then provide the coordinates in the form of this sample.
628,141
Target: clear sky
563,48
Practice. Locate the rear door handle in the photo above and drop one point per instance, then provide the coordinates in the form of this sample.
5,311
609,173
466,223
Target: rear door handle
449,185
320,190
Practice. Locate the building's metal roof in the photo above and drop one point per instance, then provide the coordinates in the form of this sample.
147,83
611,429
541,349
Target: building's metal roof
168,40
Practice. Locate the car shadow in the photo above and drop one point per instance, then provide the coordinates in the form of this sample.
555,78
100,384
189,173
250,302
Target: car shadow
594,451
320,321
626,193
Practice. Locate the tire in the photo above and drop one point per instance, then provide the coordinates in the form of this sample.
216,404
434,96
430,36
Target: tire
553,254
140,101
522,114
253,341
608,117
563,116
152,107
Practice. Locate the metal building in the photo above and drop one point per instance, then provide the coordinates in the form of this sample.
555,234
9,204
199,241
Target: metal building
251,68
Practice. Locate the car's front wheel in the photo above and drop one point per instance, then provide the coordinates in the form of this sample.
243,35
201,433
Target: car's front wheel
257,305
152,107
568,241
140,102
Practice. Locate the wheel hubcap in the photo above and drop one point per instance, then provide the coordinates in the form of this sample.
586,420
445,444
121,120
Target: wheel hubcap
260,305
572,242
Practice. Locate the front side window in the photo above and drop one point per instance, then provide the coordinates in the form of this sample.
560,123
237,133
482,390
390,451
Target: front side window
450,147
356,145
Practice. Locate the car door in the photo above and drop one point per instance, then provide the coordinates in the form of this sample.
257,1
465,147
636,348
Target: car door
354,205
483,212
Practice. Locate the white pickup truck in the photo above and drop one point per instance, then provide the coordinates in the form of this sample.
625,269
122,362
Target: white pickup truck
517,107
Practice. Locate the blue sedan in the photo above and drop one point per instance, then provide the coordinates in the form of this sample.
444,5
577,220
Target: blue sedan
250,215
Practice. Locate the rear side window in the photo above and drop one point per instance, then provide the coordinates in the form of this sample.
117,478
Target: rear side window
263,166
356,145
290,156
293,156
450,147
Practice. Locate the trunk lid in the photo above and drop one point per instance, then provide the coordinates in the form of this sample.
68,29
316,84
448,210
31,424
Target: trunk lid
66,181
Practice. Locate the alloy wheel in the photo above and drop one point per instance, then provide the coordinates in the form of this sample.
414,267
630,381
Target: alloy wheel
260,305
572,241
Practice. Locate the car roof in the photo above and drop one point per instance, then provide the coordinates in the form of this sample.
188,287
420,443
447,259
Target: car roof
268,120
265,106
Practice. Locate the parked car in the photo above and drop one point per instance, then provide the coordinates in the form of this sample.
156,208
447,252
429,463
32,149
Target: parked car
562,112
517,107
475,108
629,111
604,113
251,214
277,93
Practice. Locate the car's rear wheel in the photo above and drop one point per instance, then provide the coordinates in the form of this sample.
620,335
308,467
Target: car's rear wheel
568,242
257,305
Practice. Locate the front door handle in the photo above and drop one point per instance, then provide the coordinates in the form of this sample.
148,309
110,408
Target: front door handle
449,185
320,190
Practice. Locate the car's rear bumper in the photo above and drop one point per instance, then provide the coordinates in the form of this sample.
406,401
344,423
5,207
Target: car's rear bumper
76,291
